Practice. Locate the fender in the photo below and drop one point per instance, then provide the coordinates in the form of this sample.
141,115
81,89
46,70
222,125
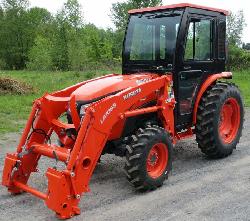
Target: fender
210,80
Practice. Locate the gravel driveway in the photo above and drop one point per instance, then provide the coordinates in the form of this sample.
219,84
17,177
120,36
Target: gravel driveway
198,189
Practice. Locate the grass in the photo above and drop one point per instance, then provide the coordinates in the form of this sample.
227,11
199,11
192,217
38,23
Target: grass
242,79
14,109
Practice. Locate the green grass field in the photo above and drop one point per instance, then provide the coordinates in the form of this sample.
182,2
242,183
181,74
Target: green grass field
14,109
242,79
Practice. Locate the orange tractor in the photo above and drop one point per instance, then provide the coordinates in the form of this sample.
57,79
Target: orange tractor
173,59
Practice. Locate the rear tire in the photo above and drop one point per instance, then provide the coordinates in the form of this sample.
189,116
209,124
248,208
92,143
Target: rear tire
219,120
149,158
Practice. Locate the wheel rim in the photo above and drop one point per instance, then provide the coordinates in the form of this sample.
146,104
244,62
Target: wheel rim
229,120
157,160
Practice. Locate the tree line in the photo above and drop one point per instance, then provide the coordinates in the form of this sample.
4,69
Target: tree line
35,39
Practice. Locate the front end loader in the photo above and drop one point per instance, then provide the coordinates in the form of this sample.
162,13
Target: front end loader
173,63
82,141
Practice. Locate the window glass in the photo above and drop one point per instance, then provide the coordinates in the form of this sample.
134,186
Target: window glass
222,39
151,37
162,42
143,42
189,43
199,43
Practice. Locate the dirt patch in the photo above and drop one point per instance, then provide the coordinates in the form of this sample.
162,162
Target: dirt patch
12,86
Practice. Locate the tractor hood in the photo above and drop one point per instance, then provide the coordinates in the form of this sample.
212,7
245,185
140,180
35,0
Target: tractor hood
99,88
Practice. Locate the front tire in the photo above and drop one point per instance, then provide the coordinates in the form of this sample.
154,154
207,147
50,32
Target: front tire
219,120
149,158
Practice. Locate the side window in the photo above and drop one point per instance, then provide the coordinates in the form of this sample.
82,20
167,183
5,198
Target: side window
199,40
189,51
162,41
222,39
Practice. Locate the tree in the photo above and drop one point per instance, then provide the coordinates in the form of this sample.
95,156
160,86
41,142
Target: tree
34,38
19,27
246,46
235,26
40,55
38,24
15,4
60,41
1,13
14,39
68,23
119,10
238,59
2,60
39,19
98,45
72,13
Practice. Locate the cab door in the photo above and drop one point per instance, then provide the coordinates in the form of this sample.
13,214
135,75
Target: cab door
197,63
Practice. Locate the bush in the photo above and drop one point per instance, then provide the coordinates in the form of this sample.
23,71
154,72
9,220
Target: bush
239,59
40,55
2,64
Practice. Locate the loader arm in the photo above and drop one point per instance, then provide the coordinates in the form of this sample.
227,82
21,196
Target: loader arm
66,187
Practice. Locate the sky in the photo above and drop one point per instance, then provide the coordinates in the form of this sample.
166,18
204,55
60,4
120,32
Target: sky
98,11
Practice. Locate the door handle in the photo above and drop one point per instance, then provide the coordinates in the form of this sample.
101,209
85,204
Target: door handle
187,67
183,77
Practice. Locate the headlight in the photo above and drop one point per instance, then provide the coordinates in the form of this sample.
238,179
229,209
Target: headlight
83,110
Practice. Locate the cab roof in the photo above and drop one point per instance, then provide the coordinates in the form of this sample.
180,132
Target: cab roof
181,5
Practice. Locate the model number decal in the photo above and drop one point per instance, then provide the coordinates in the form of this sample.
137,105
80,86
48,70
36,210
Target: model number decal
108,112
132,94
141,81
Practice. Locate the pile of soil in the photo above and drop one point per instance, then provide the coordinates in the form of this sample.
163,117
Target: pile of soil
12,86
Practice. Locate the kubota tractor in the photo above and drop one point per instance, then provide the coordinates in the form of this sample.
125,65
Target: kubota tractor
173,60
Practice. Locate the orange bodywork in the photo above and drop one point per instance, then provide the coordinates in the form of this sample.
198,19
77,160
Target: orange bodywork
209,81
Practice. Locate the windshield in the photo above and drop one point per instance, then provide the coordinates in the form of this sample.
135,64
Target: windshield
151,39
